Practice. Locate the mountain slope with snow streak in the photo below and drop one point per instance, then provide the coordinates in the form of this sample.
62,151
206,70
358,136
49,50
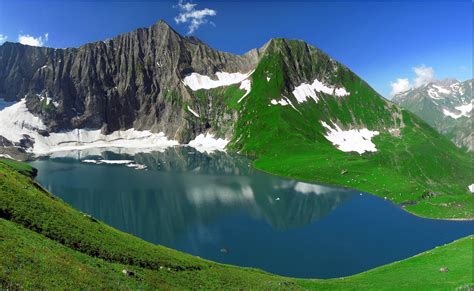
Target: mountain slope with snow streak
336,129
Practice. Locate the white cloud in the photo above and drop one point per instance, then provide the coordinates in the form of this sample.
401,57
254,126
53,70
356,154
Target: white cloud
194,18
33,41
186,6
3,38
399,86
423,75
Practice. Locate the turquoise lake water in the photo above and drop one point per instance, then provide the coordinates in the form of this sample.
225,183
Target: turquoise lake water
217,207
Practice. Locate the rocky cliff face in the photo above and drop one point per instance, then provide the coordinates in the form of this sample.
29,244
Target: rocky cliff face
446,105
131,81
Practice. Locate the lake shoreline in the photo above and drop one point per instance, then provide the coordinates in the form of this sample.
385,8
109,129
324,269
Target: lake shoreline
261,207
421,268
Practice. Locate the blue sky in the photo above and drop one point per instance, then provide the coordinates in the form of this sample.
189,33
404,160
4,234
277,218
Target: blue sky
380,41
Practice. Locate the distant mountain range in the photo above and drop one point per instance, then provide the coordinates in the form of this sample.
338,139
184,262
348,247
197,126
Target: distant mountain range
299,112
446,105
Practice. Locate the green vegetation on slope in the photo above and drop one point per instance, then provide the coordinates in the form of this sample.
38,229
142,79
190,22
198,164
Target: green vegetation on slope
216,108
23,168
419,169
46,244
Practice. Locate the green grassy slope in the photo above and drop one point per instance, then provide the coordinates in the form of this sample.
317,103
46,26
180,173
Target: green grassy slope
419,169
46,244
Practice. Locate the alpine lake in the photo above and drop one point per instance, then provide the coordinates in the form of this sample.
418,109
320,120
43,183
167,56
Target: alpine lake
218,207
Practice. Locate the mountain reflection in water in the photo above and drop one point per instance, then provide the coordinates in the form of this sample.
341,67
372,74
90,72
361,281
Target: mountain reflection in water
218,207
182,187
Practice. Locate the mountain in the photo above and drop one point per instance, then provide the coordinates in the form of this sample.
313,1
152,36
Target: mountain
446,105
289,105
131,81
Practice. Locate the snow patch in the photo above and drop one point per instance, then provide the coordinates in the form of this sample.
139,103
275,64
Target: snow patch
464,110
471,188
196,81
48,100
353,140
442,90
451,114
110,162
6,156
433,94
434,91
85,138
455,87
305,91
16,121
193,112
282,102
268,79
247,86
128,163
208,143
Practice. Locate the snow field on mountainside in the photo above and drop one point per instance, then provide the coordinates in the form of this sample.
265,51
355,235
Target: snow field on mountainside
353,140
197,81
305,91
208,143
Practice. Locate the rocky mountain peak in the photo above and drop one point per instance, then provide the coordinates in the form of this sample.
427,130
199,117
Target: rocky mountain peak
162,27
446,105
445,82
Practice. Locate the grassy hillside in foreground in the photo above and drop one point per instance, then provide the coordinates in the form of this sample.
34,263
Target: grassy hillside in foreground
417,168
44,243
